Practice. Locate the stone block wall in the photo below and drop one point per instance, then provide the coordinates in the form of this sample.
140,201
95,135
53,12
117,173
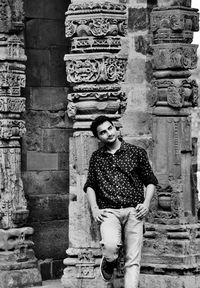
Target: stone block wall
45,159
137,119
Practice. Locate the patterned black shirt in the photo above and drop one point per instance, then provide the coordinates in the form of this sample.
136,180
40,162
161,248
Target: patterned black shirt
118,179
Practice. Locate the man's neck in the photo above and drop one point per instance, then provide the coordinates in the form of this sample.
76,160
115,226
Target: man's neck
113,147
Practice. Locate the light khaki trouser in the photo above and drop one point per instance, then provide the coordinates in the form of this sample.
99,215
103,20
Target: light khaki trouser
121,227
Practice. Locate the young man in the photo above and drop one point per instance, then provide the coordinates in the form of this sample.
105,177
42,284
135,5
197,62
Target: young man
115,188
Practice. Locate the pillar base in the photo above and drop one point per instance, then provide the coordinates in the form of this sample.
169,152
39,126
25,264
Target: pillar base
20,278
71,280
19,272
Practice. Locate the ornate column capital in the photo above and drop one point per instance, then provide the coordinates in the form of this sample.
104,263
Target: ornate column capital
95,68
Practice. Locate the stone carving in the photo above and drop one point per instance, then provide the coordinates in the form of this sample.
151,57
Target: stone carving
104,95
12,79
97,87
13,238
11,128
85,265
96,26
167,206
16,255
176,93
13,204
90,44
12,48
175,56
171,3
95,68
12,104
109,102
96,7
174,25
11,15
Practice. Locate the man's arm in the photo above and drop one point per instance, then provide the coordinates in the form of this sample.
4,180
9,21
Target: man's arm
98,214
143,208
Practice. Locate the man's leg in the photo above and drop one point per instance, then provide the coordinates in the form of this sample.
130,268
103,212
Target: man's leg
111,242
133,238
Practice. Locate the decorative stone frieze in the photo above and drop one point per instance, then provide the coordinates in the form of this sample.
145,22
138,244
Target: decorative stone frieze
90,44
12,78
98,67
11,129
176,93
175,56
174,25
12,104
96,7
97,26
12,48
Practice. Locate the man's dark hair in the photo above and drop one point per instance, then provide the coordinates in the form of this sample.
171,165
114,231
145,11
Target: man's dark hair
98,121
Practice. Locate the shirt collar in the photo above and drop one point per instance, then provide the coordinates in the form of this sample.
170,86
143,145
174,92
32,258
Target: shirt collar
123,147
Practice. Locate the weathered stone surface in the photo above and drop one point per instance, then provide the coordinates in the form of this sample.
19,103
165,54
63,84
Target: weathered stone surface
46,9
174,25
20,278
57,67
13,203
51,239
38,68
138,19
44,120
48,207
140,122
46,182
55,140
165,281
70,280
42,34
40,161
168,3
46,98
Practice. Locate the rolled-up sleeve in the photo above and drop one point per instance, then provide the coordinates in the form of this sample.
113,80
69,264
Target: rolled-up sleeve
91,177
146,172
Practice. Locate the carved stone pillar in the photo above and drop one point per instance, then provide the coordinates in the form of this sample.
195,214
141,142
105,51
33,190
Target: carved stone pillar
95,69
18,265
171,254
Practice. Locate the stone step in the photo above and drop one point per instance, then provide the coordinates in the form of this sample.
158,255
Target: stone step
50,284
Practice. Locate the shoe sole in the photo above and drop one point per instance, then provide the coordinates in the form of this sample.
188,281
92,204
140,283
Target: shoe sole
102,273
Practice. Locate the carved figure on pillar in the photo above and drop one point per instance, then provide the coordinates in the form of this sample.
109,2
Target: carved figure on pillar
17,255
172,221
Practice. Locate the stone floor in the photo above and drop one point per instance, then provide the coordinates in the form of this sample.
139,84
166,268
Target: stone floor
50,284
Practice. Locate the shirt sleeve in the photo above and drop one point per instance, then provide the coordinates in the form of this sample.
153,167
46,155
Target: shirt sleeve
91,177
146,173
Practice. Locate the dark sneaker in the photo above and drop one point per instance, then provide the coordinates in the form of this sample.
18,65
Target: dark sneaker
107,269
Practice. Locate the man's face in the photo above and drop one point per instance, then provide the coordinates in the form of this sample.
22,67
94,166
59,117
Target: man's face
106,132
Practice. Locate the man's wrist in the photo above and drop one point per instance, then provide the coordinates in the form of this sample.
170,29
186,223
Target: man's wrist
94,207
